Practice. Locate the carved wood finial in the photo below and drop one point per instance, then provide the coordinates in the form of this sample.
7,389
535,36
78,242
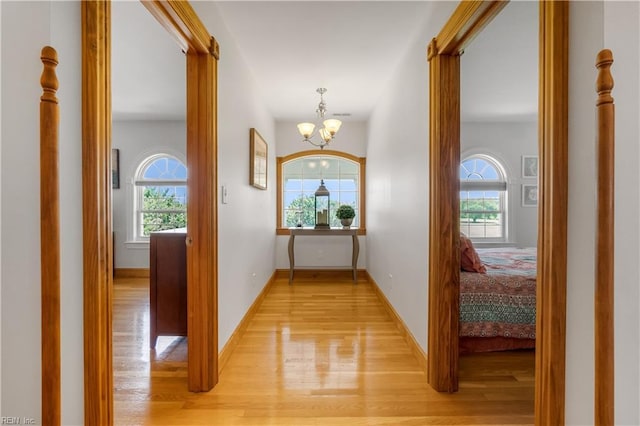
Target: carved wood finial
49,79
214,48
604,83
432,49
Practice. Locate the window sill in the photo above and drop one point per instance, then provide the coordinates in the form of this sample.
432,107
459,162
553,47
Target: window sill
137,245
285,231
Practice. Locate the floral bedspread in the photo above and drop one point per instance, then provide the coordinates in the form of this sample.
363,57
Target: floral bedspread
501,302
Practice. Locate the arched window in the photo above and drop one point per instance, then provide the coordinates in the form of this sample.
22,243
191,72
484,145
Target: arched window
160,195
483,194
299,177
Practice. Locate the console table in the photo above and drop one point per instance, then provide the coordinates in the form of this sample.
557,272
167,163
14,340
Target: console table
325,232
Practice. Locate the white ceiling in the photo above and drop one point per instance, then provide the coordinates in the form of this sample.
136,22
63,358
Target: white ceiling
349,47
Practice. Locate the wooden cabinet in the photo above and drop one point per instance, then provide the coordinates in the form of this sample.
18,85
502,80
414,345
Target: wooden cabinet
168,284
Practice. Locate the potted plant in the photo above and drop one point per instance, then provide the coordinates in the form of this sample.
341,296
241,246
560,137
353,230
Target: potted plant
345,213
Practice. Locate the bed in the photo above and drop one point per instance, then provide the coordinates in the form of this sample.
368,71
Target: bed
498,308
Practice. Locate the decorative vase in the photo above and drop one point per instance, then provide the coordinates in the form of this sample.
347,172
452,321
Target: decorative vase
346,223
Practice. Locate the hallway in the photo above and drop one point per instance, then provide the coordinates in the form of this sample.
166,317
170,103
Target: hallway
316,353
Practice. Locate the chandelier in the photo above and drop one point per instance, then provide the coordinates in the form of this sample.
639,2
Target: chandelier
326,133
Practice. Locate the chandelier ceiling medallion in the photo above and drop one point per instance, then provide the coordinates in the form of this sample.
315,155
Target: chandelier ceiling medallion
326,133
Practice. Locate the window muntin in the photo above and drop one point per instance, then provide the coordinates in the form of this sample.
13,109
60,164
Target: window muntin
160,195
483,190
300,179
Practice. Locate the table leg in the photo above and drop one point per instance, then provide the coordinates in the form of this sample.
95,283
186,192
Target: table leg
354,257
291,257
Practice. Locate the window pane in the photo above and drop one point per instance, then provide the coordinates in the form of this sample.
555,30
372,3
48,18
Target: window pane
153,222
165,168
482,212
158,206
293,184
310,185
303,175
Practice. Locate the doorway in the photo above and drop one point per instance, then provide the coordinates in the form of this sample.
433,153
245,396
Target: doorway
444,56
202,53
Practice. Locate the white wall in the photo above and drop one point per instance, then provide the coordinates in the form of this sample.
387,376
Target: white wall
0,210
621,31
398,181
597,25
56,24
321,251
137,140
65,30
507,142
246,224
586,39
351,138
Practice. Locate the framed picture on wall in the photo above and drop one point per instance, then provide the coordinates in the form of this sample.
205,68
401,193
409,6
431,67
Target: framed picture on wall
529,195
258,160
529,166
115,168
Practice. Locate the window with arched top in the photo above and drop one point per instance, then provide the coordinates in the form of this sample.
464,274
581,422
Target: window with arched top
483,195
299,176
160,195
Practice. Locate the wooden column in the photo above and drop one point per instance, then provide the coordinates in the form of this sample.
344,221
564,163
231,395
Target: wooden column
202,264
444,51
604,330
552,213
96,205
444,228
50,238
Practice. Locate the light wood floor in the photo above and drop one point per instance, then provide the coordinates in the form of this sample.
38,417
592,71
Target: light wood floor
316,353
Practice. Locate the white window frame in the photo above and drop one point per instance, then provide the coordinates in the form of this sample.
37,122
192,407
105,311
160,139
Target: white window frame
501,185
135,189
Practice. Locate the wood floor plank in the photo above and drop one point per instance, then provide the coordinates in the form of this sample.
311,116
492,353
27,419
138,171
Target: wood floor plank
315,353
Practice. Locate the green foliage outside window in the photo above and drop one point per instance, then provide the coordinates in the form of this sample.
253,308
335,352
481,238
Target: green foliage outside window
162,210
479,209
301,211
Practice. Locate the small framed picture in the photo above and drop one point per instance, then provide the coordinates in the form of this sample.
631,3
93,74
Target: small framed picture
529,195
529,166
115,168
258,160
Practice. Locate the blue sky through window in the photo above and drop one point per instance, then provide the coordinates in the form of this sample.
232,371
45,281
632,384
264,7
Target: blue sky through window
168,168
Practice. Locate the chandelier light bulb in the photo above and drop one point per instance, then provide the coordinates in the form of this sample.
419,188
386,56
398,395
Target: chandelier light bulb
332,125
306,129
325,134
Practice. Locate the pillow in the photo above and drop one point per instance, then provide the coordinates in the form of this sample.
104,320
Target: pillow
469,259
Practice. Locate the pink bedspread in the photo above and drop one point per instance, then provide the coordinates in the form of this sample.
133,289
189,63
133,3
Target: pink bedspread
501,302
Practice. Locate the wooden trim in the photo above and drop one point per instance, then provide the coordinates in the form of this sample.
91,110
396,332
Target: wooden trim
184,25
132,273
324,274
444,228
96,205
468,19
202,209
363,197
362,190
466,22
237,334
50,238
202,51
415,347
604,292
279,199
327,152
552,213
